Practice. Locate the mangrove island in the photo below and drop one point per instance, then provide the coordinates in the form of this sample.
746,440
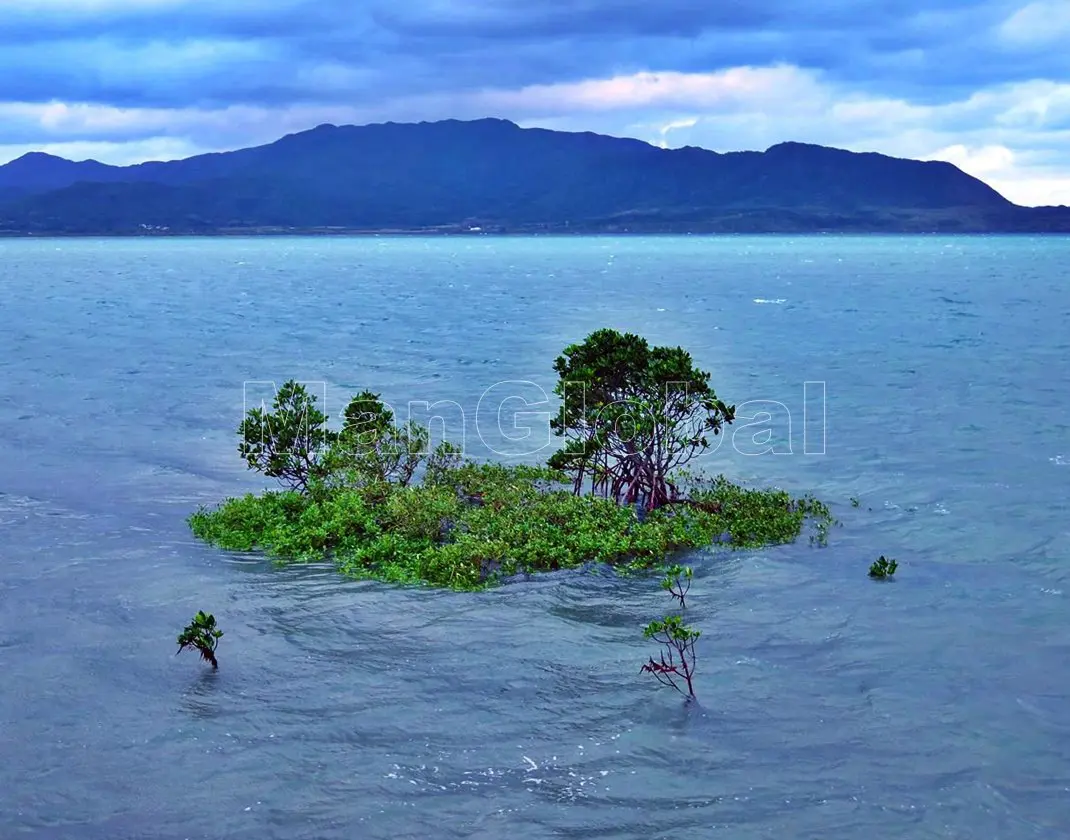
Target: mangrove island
380,503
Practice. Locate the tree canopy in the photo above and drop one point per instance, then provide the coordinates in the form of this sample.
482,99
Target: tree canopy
288,442
632,415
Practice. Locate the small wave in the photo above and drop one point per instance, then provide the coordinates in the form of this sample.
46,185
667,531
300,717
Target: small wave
764,300
1060,460
559,781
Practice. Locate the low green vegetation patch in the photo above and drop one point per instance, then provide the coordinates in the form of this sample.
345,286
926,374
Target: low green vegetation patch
487,521
617,493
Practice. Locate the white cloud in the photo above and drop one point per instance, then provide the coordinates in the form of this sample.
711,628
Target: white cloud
1043,23
1000,135
117,154
982,161
110,128
732,89
1007,172
1033,189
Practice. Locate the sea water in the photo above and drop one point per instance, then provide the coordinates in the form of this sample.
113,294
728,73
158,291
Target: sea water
925,377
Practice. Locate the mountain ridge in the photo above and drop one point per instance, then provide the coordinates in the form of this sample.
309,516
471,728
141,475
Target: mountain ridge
491,174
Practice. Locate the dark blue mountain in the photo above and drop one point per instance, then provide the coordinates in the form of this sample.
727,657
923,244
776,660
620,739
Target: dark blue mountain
491,174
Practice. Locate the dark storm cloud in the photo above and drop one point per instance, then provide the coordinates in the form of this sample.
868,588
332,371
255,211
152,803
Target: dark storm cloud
26,22
163,53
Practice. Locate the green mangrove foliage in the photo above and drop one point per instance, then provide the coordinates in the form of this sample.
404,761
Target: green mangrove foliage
202,635
373,499
476,523
883,568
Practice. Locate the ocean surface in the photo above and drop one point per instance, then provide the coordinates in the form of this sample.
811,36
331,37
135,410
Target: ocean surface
926,377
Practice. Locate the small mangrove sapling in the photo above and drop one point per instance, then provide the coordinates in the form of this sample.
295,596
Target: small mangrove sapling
677,582
202,635
676,664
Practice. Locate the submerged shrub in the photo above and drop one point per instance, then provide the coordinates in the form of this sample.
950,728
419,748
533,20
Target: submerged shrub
243,524
202,635
883,568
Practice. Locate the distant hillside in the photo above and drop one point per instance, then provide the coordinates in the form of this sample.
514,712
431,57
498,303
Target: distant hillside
491,174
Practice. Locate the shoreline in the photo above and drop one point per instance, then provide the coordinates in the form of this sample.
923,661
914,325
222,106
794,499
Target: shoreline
513,232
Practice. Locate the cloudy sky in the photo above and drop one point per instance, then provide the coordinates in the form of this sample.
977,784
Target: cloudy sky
983,84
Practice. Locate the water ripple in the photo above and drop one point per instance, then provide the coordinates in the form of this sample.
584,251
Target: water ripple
829,705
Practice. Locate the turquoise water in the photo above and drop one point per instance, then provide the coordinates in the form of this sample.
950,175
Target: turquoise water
830,706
